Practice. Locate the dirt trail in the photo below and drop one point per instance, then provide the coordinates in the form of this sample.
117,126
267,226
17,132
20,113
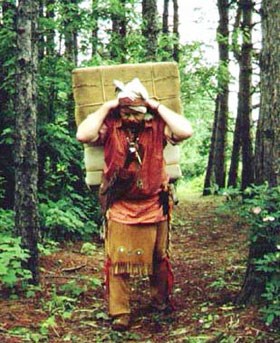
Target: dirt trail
208,257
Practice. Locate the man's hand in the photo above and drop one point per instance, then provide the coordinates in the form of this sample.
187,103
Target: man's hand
152,104
111,104
88,130
177,124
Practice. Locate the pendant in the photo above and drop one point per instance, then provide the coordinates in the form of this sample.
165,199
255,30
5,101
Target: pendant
139,184
132,148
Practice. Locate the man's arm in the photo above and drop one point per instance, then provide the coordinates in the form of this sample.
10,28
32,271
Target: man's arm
178,124
88,130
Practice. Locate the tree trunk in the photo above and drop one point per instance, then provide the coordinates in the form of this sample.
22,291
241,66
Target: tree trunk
41,41
209,172
150,28
235,154
222,119
254,281
50,35
236,148
165,15
118,38
166,47
26,160
176,30
94,33
267,142
268,133
245,95
242,133
216,170
70,32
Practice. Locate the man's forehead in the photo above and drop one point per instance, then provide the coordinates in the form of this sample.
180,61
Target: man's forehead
129,110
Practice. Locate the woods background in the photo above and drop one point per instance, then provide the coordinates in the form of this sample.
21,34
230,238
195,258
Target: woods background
43,197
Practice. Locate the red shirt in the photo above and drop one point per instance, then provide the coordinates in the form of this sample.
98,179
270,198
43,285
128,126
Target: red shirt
140,204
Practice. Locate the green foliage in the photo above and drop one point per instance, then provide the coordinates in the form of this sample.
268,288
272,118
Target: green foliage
48,247
198,92
270,266
265,219
67,210
12,255
62,220
190,186
6,221
72,289
11,258
7,52
88,249
60,304
261,209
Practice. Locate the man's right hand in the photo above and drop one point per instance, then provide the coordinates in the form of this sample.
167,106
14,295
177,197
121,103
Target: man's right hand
88,130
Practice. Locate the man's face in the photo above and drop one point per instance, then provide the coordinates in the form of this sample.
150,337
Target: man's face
128,116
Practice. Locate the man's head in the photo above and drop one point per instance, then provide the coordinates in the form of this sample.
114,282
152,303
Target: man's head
132,100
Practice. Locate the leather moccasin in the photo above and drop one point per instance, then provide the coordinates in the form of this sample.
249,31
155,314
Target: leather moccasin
167,308
121,322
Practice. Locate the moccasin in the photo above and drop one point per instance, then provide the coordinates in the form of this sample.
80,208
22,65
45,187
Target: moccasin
162,308
121,322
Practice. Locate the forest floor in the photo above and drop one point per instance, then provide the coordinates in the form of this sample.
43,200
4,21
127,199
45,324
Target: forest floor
209,262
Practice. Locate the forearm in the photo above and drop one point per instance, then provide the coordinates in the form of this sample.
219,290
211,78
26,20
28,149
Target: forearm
178,124
88,130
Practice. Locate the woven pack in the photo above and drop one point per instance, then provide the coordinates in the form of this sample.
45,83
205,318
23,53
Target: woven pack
92,86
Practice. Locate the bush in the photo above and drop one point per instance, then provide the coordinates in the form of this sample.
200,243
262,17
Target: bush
61,220
11,258
6,221
263,214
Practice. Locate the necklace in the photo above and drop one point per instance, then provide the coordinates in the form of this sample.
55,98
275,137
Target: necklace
134,153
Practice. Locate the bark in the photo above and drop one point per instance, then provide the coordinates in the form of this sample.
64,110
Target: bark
51,57
254,281
176,30
245,96
150,27
209,171
268,133
166,47
165,15
70,32
94,33
26,159
242,133
235,154
41,42
267,142
216,169
50,35
221,128
118,39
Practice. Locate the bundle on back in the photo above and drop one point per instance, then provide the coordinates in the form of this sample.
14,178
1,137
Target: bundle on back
92,86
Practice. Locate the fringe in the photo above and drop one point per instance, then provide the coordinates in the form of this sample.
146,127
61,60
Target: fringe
170,275
170,282
107,266
133,269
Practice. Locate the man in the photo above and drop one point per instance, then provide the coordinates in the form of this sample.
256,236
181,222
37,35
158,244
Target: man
134,130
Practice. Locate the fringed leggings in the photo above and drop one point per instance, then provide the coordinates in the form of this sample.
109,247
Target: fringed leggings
161,281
